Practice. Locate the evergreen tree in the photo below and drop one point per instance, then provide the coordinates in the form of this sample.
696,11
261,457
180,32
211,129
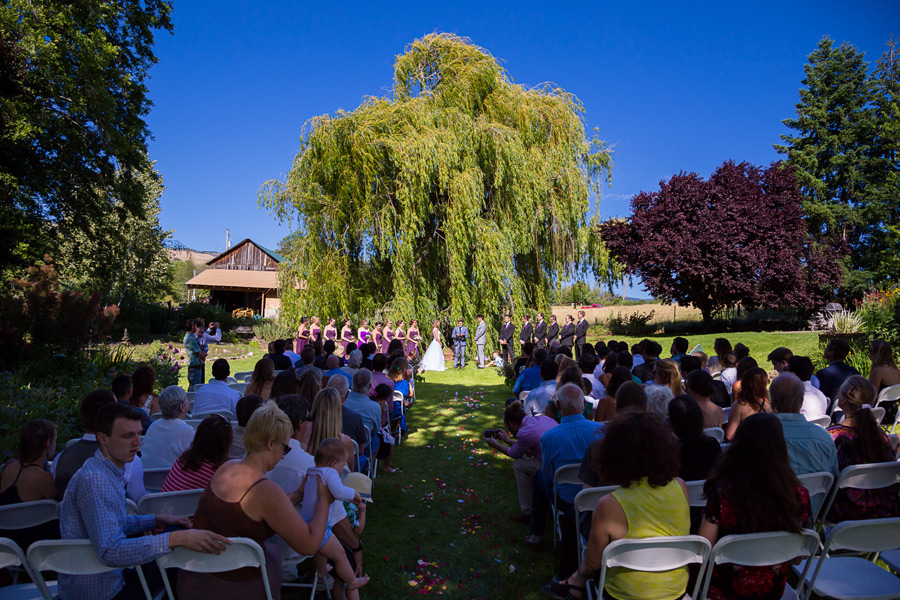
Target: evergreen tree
835,155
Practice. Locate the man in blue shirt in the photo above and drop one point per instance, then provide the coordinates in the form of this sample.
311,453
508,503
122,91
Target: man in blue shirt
94,508
810,447
563,445
530,378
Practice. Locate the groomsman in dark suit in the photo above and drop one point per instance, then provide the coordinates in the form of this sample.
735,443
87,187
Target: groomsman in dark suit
567,333
540,331
507,332
581,330
553,330
527,331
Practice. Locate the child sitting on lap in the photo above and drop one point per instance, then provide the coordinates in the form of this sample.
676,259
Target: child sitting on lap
331,458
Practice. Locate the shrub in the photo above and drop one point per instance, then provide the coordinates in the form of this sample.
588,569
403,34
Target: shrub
634,324
272,331
209,312
845,321
880,314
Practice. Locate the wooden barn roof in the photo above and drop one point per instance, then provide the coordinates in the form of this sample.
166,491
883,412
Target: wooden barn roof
274,255
224,279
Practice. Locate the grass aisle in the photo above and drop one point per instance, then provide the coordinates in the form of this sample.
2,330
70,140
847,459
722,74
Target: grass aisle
440,526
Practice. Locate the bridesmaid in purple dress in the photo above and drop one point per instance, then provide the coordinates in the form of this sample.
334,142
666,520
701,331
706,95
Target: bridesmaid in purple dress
400,334
331,331
363,334
378,337
388,336
346,336
302,334
412,339
315,330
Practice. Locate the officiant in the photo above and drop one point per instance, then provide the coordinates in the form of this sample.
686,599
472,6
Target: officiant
460,336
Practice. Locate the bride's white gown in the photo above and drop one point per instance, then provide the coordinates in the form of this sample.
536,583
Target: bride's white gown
434,355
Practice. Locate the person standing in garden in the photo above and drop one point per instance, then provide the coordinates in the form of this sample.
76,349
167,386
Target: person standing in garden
194,354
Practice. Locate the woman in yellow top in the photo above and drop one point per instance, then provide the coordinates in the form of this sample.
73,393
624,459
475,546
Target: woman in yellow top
640,454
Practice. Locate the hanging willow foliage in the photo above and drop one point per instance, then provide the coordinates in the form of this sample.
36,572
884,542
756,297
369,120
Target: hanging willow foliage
465,193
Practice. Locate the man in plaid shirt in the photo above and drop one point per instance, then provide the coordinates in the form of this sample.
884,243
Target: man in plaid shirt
94,508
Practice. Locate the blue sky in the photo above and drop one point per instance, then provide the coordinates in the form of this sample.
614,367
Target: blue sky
671,86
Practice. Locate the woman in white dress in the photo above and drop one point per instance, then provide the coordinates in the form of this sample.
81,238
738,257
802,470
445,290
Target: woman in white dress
434,355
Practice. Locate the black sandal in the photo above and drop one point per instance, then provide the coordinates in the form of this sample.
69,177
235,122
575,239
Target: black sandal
564,590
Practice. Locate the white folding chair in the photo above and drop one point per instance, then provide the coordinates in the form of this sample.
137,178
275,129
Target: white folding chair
239,387
72,441
877,412
195,423
762,550
567,474
154,479
294,561
355,465
822,421
654,555
586,502
222,413
696,499
190,398
892,559
373,461
12,556
229,380
717,376
888,394
523,396
864,477
28,514
717,433
726,412
71,557
244,376
815,484
852,577
131,507
180,504
243,552
398,435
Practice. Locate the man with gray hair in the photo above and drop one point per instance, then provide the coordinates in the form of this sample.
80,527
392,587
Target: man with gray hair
563,445
168,437
352,422
354,362
359,402
810,447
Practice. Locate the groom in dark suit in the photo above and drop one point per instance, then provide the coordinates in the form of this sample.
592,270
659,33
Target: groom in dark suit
540,331
567,333
527,331
507,351
581,330
553,330
460,335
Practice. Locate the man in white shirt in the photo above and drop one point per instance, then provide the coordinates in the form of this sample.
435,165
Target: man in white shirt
216,395
538,398
289,352
815,403
168,437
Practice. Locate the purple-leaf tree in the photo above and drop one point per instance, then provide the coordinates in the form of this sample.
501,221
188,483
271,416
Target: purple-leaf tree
736,239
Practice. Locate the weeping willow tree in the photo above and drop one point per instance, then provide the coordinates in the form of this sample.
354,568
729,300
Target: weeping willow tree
464,193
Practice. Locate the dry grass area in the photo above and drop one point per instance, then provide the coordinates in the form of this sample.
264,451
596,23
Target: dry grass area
663,313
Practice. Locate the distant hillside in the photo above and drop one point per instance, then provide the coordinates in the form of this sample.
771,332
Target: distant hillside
195,256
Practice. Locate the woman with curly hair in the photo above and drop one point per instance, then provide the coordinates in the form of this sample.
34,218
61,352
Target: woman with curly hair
640,455
262,379
751,399
753,489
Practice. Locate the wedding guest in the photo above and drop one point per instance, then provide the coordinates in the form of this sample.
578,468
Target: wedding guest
281,361
142,400
307,358
246,406
815,404
722,348
194,354
884,373
262,379
195,468
658,398
289,352
750,400
666,373
285,383
699,451
700,388
168,437
216,395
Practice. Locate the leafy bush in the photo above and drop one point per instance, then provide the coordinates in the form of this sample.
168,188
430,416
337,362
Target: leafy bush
208,312
272,331
634,324
845,321
143,319
880,313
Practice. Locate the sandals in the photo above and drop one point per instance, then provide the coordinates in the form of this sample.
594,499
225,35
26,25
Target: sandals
564,590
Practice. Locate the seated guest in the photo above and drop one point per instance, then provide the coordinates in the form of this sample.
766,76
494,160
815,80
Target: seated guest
679,349
630,397
328,348
700,388
285,383
562,445
650,352
753,490
729,372
525,452
358,401
665,372
538,398
288,473
74,455
743,365
704,359
719,396
326,421
122,388
639,454
815,404
209,449
606,406
94,509
607,368
397,374
262,379
241,502
658,398
530,378
722,348
698,450
142,381
379,373
779,358
168,437
526,358
333,367
307,358
750,400
243,411
277,356
837,371
570,374
354,363
351,422
859,440
216,395
588,363
637,356
27,479
741,351
289,352
310,386
883,374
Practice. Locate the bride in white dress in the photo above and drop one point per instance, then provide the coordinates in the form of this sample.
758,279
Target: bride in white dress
434,355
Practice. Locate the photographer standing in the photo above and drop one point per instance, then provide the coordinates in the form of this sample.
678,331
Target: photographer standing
525,452
210,334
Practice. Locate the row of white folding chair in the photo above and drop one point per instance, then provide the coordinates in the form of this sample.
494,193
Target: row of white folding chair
863,477
888,394
243,376
717,433
242,552
565,475
398,397
373,460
